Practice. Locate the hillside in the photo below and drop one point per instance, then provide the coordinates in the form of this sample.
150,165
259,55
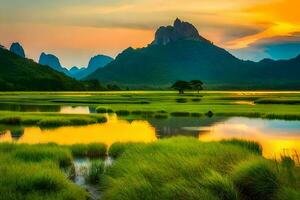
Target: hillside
178,52
21,74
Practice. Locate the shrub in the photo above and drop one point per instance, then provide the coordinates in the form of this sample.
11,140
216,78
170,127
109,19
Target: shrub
162,112
181,100
11,120
160,116
101,110
110,110
136,112
196,114
209,114
196,99
256,180
180,114
123,112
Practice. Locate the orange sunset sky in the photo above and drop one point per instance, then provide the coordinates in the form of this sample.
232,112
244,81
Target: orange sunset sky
75,30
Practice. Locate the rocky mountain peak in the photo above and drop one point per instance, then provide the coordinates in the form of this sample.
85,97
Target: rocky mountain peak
179,31
17,49
50,60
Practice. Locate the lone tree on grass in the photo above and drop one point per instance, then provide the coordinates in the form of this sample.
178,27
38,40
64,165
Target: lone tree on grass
184,85
181,86
197,85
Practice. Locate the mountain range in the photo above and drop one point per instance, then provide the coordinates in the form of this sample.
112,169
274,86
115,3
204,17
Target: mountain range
95,63
179,52
21,74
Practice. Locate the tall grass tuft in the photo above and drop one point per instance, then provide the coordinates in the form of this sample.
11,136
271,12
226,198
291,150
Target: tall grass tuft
256,180
96,169
252,146
93,150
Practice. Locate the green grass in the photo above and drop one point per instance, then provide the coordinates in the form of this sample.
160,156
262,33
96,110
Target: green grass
250,145
96,169
220,103
185,168
278,101
117,149
256,179
92,150
34,172
180,114
48,119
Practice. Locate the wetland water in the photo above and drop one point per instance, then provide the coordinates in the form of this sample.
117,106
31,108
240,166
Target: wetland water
276,136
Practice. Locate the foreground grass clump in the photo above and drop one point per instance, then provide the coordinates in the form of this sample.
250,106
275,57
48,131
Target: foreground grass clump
49,119
34,172
256,180
185,168
96,169
250,145
117,149
93,150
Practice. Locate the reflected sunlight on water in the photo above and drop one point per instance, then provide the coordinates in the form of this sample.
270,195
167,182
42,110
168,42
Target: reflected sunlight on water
271,134
275,136
107,133
74,110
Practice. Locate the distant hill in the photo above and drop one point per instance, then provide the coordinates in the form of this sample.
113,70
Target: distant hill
95,63
53,62
21,74
74,70
17,49
178,52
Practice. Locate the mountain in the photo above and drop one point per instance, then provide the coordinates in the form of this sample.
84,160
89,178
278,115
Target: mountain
16,48
95,63
179,31
74,70
53,62
21,74
178,52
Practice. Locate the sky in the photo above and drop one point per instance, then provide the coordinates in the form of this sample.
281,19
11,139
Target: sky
76,30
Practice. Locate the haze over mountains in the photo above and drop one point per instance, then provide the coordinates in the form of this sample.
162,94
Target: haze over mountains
178,52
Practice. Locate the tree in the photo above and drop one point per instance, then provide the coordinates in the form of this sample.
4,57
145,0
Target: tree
197,85
181,86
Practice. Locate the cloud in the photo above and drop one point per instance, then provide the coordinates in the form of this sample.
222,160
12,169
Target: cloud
240,25
277,47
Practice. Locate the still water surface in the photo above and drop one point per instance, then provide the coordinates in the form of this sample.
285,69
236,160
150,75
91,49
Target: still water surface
276,136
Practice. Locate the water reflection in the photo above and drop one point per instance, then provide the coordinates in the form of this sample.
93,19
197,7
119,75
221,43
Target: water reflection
112,131
274,135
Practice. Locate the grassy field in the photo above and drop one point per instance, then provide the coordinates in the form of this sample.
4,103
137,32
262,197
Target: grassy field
281,105
177,168
184,168
48,119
